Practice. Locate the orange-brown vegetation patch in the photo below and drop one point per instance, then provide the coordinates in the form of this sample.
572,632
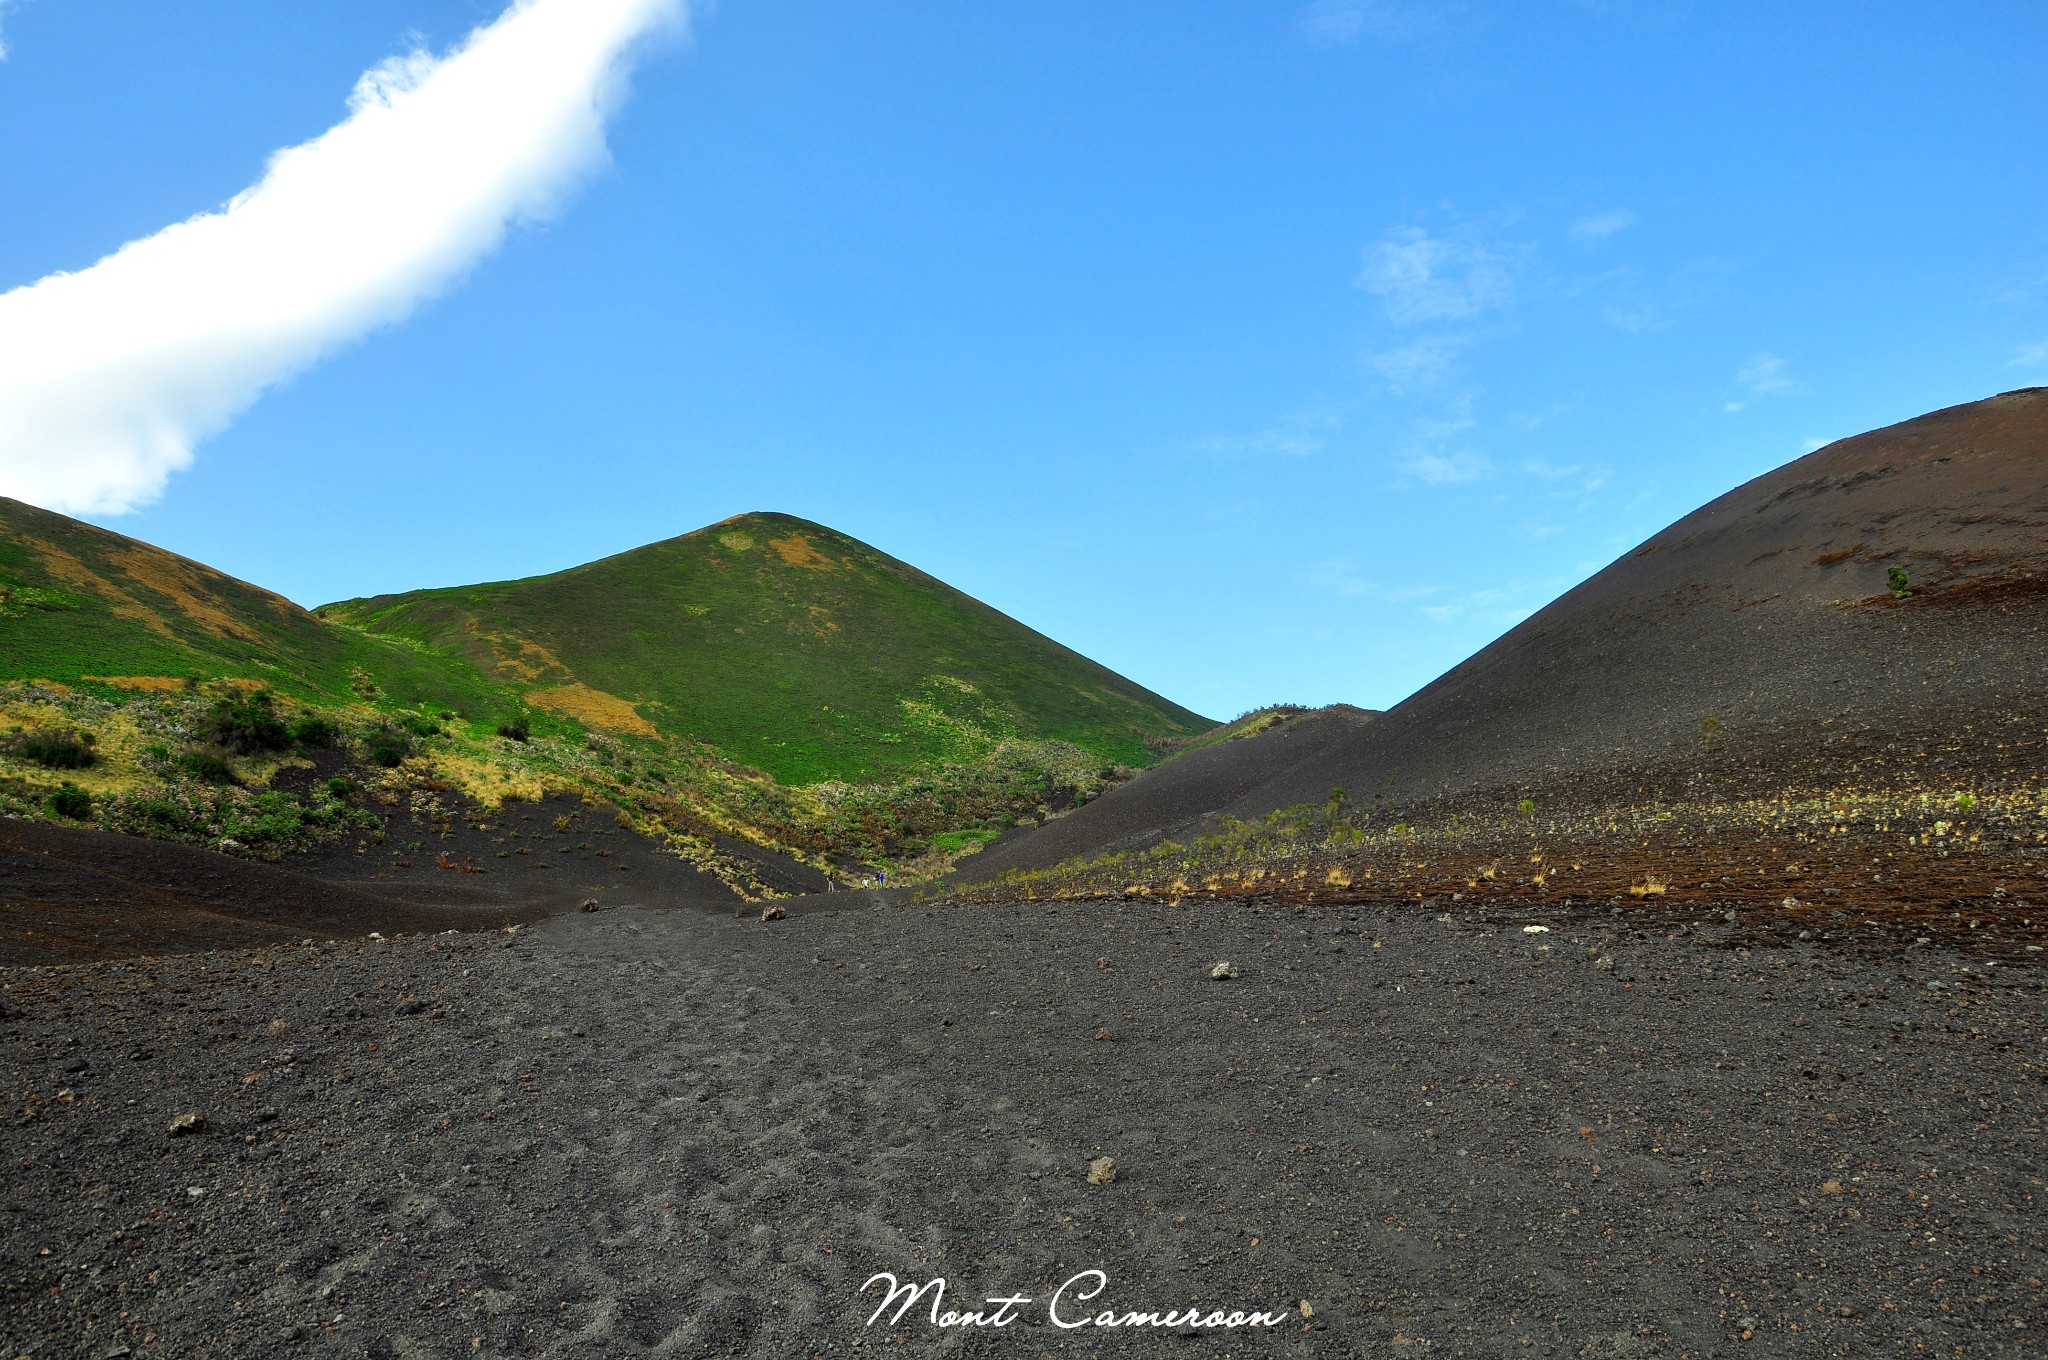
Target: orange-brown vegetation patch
517,658
70,570
186,585
798,551
592,707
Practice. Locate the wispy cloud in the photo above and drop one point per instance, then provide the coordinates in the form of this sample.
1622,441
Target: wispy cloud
5,5
1451,277
1762,375
1423,362
1340,23
1601,225
109,376
2033,356
1446,469
1298,436
1639,317
1536,467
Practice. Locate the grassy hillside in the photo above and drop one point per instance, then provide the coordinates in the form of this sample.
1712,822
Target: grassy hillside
899,723
79,604
786,645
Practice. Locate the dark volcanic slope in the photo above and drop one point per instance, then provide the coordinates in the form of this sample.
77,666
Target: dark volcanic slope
1766,610
68,893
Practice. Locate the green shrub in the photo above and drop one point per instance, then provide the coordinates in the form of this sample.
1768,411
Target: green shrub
516,730
314,732
71,801
246,725
419,726
341,790
54,750
205,766
388,745
1896,580
1526,806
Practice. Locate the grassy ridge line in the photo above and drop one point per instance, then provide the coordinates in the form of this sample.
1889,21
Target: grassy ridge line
798,650
79,604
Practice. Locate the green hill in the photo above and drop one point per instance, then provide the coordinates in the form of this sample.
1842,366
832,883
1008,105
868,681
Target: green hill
80,604
788,646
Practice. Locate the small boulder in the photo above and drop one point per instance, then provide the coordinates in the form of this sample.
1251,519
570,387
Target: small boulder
188,1123
1223,971
774,912
588,904
1102,1171
1604,964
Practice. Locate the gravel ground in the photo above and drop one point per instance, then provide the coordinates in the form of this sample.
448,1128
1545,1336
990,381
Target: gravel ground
648,1132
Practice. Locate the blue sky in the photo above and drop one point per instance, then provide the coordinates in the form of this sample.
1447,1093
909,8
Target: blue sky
1262,352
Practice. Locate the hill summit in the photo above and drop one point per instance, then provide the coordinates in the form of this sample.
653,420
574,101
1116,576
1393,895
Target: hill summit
789,646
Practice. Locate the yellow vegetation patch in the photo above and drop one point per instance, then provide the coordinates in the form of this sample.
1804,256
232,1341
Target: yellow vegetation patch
1338,879
593,708
737,541
489,783
142,682
797,551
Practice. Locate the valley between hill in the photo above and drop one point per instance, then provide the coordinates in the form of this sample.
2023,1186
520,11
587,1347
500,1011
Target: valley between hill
656,1132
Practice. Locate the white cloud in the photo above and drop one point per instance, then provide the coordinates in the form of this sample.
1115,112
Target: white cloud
1601,225
110,375
2033,356
1536,467
1445,469
1422,278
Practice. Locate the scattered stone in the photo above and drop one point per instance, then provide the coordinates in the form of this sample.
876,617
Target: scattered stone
589,904
1831,1187
1535,930
1604,964
1306,1310
1102,1171
1790,904
1102,1036
774,911
278,1029
1223,971
190,1122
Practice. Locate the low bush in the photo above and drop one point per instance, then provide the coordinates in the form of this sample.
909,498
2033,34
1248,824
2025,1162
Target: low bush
246,725
72,802
54,750
341,790
207,767
516,730
419,726
314,732
387,745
